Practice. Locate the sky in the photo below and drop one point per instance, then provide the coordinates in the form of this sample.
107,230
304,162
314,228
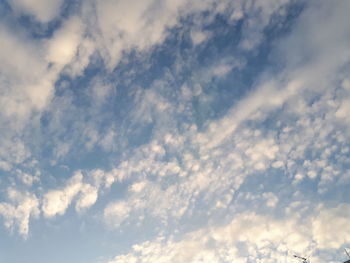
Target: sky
167,131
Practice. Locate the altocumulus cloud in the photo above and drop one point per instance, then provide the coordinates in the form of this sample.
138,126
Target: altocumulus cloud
174,131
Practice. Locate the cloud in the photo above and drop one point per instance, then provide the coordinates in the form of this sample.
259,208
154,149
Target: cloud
191,180
282,133
116,213
318,72
199,37
23,206
138,29
82,189
24,79
104,179
19,210
330,227
271,199
26,178
56,202
145,25
27,79
42,10
70,49
344,102
38,63
88,197
279,149
63,45
258,17
258,236
5,166
206,173
247,236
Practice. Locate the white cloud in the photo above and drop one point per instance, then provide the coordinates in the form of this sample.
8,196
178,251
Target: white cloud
23,206
258,17
5,165
316,74
56,202
25,83
105,179
42,10
150,104
343,110
35,66
116,213
62,47
26,178
343,107
222,156
271,199
78,190
210,178
13,150
27,79
126,25
199,37
261,238
249,236
138,187
185,173
88,197
211,165
19,210
330,227
100,90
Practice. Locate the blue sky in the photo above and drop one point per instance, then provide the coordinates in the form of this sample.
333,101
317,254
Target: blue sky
174,131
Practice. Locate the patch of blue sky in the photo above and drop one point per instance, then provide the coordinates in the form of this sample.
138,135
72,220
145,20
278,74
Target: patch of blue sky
73,239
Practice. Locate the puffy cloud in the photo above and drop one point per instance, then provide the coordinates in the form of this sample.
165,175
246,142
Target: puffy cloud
5,166
25,83
199,37
271,199
285,131
104,179
56,202
248,236
27,80
24,205
205,174
26,178
33,70
88,197
19,210
116,213
211,165
63,46
330,227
